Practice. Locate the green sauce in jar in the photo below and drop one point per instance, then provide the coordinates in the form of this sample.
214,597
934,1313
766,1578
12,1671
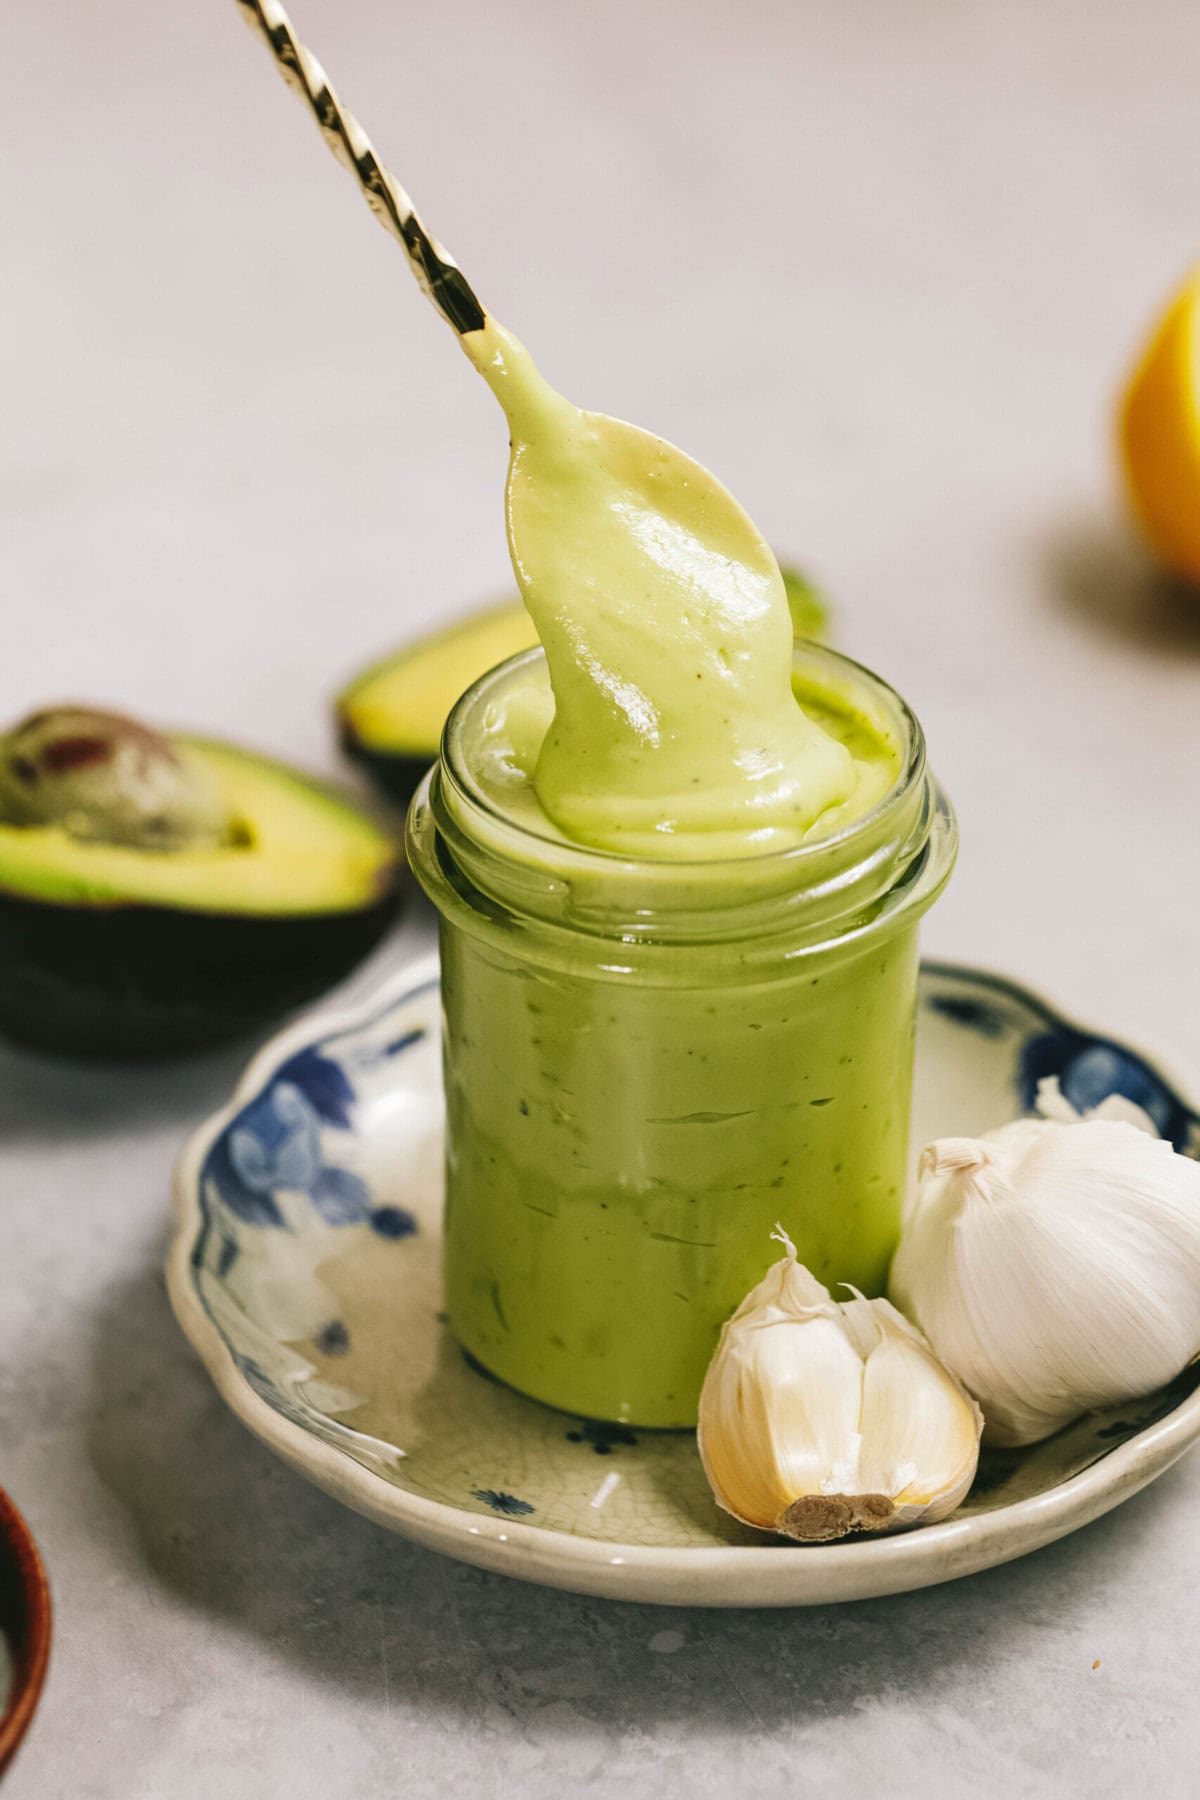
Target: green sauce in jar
651,1062
678,871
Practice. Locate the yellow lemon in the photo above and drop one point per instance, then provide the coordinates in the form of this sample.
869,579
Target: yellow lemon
1160,434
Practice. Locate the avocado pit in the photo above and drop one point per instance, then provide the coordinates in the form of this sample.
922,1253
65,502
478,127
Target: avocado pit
103,777
162,893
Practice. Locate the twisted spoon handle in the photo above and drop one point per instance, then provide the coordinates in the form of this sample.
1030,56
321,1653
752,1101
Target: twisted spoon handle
435,269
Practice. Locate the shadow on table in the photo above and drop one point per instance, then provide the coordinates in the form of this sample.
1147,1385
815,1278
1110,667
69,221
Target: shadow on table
1098,572
252,1547
46,1097
58,1099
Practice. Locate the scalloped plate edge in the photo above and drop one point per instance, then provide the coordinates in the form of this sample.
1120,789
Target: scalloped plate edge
732,1576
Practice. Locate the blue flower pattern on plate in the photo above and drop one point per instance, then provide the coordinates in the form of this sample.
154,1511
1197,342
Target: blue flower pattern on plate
970,1012
324,1083
275,1143
393,1222
288,1144
508,1504
1090,1069
333,1339
283,1144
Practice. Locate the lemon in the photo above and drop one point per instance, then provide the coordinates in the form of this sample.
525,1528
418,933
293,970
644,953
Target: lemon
1160,434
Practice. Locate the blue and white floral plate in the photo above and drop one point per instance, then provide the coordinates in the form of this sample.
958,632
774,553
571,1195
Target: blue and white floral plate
305,1270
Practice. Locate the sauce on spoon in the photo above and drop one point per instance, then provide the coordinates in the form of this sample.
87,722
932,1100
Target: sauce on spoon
667,634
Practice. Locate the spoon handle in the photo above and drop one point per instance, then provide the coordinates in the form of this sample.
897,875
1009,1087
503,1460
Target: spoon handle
435,269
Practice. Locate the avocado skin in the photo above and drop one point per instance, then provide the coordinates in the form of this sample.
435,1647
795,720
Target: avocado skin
396,777
135,982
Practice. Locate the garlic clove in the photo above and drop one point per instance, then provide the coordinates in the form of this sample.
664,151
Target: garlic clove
772,1425
1054,1267
817,1419
927,1466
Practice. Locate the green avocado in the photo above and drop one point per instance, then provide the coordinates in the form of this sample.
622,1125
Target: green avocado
807,604
167,893
390,717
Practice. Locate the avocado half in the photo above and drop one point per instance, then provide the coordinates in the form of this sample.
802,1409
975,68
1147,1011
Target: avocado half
390,717
117,949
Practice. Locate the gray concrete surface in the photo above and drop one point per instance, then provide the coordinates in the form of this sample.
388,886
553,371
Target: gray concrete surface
880,265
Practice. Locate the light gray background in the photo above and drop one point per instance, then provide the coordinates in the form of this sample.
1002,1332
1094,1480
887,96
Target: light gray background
882,266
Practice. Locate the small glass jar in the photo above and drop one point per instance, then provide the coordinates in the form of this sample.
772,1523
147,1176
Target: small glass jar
648,1064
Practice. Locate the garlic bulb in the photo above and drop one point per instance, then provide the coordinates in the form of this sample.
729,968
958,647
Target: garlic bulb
1054,1267
817,1419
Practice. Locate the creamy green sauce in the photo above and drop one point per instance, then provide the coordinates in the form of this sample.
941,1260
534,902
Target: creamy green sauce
506,742
624,1132
674,731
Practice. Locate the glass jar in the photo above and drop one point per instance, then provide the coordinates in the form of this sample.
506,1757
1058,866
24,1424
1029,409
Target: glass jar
649,1064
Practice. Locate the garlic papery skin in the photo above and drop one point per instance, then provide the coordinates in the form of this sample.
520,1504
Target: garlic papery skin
1054,1267
819,1418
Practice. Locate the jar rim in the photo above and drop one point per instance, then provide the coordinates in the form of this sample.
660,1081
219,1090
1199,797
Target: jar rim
571,852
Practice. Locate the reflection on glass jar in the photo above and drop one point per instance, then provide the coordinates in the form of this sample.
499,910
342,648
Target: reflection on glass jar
650,1063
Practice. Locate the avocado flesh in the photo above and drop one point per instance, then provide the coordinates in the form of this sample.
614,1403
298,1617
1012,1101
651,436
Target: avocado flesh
391,717
107,951
807,605
296,848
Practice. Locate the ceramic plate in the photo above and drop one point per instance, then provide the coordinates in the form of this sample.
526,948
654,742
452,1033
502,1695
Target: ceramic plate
305,1271
24,1628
